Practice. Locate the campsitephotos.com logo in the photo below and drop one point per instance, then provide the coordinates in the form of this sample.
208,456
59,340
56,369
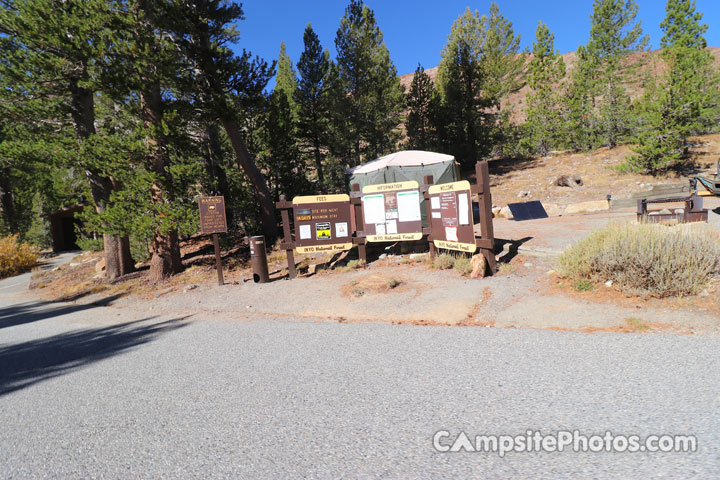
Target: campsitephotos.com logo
560,441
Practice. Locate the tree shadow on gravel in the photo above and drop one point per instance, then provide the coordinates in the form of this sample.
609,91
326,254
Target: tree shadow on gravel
27,363
21,313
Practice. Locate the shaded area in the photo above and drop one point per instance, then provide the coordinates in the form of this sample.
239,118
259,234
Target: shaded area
28,312
27,363
512,251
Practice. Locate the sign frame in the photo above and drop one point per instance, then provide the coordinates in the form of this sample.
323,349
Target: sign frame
308,224
449,202
392,212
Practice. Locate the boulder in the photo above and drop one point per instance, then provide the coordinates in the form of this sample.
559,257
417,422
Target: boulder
100,266
586,207
553,209
573,181
478,266
505,213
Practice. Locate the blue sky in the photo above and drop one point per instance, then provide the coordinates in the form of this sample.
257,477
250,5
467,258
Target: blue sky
416,31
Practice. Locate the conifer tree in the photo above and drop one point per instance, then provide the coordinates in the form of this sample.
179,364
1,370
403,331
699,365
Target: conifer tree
314,101
544,116
374,95
673,107
420,102
613,35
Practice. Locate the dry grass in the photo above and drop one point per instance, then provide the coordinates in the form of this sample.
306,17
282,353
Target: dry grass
646,259
463,264
372,284
16,257
444,261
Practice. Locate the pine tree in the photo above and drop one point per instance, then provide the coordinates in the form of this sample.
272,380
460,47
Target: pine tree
61,58
464,121
420,103
286,78
286,174
613,35
372,87
673,106
580,128
314,102
546,70
224,83
502,61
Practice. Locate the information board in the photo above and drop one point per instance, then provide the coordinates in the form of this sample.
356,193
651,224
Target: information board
391,212
322,223
451,216
212,215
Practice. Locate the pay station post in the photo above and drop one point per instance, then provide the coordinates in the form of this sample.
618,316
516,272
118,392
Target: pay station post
213,221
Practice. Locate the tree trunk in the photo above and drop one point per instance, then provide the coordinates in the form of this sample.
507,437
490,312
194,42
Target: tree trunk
126,262
83,113
267,207
165,248
214,169
7,203
318,163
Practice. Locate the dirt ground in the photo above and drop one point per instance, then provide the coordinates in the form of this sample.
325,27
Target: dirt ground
509,177
403,288
407,289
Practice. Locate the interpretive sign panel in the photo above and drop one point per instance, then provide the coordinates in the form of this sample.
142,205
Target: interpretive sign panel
212,215
391,212
451,216
322,223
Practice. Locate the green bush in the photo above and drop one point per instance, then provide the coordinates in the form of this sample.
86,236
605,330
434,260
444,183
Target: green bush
444,261
646,259
16,257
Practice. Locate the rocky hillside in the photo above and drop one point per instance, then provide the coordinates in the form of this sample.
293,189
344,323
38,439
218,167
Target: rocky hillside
642,64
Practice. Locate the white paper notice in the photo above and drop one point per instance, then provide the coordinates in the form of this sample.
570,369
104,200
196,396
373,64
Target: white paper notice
463,216
379,229
305,232
436,215
373,208
408,206
391,226
451,234
435,203
341,229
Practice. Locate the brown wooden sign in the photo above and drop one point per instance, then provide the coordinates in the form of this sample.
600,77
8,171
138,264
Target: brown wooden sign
391,212
212,215
322,223
451,216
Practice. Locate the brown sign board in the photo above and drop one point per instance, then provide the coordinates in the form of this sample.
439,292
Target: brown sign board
391,212
451,216
322,223
212,215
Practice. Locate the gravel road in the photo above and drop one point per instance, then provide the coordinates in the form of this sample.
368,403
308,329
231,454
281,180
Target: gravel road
114,393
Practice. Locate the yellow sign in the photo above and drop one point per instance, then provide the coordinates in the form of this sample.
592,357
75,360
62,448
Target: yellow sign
461,247
339,197
449,187
389,187
335,247
398,237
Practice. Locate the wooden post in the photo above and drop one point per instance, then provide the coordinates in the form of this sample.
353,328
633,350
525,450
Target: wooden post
218,259
355,198
485,202
428,180
287,237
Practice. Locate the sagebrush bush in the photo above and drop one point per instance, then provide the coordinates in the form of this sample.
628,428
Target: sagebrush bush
16,257
444,261
463,264
646,259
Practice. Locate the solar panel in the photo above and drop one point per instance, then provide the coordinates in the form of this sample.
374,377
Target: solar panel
527,210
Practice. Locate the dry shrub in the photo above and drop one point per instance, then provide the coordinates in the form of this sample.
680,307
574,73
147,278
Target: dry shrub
646,259
16,257
444,261
463,264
